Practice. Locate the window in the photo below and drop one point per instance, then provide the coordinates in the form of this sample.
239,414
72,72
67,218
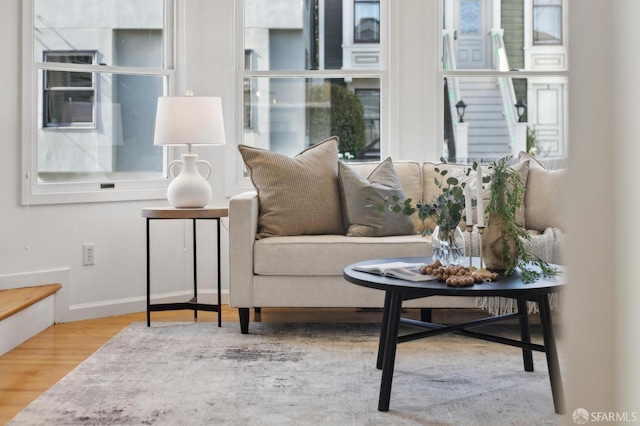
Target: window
89,113
547,21
249,92
370,100
367,21
302,83
491,62
69,97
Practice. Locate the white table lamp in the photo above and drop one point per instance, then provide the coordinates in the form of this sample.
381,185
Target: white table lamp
189,120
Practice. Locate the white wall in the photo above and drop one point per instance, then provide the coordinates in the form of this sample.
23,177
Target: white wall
603,327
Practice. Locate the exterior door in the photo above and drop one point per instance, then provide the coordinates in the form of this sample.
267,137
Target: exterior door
472,23
546,114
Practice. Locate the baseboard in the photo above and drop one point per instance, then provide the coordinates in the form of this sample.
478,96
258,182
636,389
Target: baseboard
84,311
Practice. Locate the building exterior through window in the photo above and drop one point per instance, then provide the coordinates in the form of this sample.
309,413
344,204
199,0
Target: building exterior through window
69,97
504,40
312,70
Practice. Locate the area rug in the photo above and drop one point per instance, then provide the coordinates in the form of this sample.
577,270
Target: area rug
302,374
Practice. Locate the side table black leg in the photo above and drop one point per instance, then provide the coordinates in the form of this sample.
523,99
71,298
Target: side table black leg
525,334
195,270
395,309
148,279
219,275
552,354
383,329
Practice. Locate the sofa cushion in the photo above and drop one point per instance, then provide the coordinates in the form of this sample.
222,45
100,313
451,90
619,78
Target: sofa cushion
410,175
544,197
313,255
299,195
365,202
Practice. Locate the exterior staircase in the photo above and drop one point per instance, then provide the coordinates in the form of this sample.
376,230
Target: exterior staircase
488,136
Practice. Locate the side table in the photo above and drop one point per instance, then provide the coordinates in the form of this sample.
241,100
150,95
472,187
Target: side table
195,214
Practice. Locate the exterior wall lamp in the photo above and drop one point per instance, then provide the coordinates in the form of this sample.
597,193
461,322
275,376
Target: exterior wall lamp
460,109
521,108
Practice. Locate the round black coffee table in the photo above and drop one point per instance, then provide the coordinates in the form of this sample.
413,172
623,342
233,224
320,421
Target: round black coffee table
396,291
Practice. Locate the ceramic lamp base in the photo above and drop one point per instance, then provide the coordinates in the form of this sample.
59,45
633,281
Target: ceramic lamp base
189,189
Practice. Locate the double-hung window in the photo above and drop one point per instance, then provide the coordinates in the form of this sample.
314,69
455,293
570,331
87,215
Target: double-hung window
497,55
307,75
94,70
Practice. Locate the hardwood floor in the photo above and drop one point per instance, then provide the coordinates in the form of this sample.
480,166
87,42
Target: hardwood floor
33,367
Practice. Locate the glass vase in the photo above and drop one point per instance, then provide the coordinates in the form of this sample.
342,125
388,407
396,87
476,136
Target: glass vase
448,245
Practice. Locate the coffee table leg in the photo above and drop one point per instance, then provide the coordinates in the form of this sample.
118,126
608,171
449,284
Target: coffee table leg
391,342
552,354
525,334
383,329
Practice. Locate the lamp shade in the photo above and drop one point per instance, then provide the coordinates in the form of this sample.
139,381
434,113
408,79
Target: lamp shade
189,120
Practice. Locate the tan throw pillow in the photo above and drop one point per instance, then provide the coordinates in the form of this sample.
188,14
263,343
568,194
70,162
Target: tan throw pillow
362,196
543,197
299,195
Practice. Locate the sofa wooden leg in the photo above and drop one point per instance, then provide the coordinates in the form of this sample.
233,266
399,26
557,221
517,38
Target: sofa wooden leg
425,314
244,320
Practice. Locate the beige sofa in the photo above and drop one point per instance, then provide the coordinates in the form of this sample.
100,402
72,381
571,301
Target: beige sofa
306,270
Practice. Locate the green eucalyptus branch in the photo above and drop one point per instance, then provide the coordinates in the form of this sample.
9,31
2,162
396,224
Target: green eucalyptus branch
446,210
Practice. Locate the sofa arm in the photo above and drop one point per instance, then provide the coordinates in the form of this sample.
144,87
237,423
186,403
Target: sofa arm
243,227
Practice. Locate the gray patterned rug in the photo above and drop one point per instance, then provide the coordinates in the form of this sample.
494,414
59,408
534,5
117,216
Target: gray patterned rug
315,374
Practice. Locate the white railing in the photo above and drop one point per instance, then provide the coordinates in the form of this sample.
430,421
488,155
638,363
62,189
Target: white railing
449,64
508,94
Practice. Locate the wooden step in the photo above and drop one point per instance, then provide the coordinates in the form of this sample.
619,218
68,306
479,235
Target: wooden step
15,300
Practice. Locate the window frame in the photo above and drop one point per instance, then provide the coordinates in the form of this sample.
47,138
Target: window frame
37,193
47,91
238,180
356,40
534,7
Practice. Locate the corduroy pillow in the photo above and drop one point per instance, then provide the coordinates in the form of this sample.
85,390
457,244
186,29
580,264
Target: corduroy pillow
361,197
299,195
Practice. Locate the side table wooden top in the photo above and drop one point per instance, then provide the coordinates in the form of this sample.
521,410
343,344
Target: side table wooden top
207,212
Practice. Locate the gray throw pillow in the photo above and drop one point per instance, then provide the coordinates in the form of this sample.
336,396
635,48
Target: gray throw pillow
361,197
299,195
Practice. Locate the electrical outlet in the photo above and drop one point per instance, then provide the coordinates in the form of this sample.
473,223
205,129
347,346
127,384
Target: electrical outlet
89,254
